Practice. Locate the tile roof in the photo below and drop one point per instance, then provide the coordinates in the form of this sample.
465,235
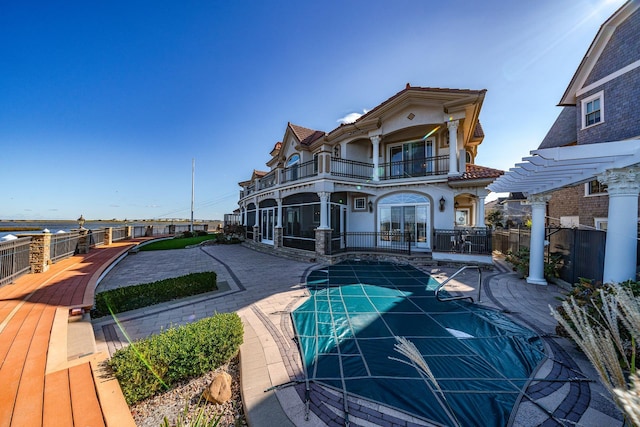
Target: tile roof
306,136
419,89
477,172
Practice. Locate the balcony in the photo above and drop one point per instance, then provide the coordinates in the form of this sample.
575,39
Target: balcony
352,169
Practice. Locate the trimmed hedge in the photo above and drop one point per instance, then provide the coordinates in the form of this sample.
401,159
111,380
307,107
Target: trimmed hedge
138,296
158,362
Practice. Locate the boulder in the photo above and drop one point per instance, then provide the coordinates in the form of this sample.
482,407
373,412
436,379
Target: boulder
219,391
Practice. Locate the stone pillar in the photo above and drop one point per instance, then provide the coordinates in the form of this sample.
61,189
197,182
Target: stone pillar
84,241
40,252
323,241
375,142
453,147
480,212
623,186
108,236
324,209
277,237
538,204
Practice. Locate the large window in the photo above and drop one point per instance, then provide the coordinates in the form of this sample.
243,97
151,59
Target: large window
411,159
593,110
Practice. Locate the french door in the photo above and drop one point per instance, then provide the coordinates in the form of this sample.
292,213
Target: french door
267,225
400,222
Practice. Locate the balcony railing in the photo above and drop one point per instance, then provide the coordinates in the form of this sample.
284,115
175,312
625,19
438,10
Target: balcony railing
299,171
267,181
351,168
429,166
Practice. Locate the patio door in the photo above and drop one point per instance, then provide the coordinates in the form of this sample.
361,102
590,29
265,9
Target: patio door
267,225
411,159
402,221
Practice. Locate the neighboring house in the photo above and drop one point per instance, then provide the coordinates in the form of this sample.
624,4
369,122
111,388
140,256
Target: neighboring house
587,167
600,105
514,209
403,173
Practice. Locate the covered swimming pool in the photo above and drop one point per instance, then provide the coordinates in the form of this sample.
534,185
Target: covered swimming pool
347,330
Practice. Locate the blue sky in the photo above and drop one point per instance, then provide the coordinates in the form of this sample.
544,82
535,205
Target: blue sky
103,105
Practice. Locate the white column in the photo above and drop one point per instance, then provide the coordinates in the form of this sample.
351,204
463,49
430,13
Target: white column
375,141
480,212
257,222
279,213
453,147
538,204
324,209
623,186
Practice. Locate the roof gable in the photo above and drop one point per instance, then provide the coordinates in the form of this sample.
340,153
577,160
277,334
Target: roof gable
595,51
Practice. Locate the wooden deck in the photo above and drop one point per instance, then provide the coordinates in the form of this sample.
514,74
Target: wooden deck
41,386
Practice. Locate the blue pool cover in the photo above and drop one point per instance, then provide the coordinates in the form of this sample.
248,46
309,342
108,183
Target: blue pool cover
347,330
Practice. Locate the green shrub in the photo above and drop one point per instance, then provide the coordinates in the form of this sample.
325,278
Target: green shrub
158,362
201,233
520,262
138,296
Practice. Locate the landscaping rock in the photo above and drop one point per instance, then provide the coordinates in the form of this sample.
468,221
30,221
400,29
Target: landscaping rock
219,391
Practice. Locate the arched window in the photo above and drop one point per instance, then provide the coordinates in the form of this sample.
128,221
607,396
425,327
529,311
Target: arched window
294,159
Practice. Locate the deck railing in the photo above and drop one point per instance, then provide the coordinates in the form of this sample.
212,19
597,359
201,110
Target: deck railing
364,241
63,245
96,237
463,240
119,233
14,259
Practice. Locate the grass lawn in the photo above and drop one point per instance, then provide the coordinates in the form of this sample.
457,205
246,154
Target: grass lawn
177,243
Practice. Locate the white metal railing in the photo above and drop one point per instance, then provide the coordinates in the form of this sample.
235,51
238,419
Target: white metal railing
14,259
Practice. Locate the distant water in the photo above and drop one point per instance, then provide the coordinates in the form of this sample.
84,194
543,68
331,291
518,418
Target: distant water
55,226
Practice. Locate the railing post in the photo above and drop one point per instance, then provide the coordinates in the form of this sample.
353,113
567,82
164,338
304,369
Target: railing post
108,236
84,241
40,252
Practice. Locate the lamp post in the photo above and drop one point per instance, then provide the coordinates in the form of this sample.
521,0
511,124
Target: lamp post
81,222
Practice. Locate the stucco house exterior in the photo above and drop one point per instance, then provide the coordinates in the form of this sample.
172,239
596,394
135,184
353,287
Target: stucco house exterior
599,105
401,178
586,171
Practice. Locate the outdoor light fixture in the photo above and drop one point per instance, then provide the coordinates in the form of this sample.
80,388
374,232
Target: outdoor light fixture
370,206
81,222
455,205
442,201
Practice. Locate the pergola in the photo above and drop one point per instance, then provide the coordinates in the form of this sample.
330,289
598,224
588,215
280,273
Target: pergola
616,164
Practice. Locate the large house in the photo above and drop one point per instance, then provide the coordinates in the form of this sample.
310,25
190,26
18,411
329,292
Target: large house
401,178
585,172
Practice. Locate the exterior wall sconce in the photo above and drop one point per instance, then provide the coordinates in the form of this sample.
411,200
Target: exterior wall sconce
370,206
455,205
81,222
442,202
